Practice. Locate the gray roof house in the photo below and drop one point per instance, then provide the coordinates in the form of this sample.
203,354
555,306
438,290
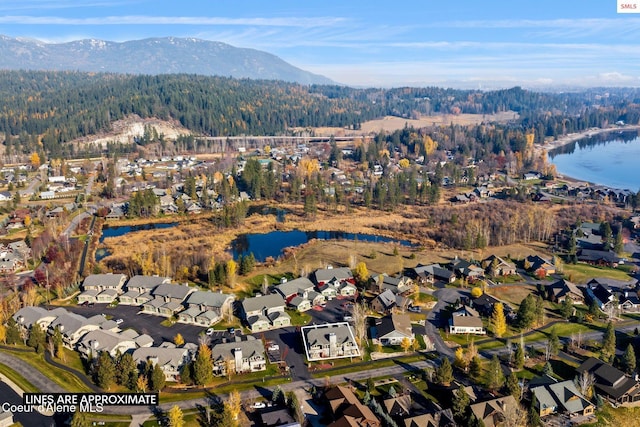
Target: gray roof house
392,329
562,396
241,356
387,300
167,299
329,341
140,285
205,308
72,326
29,315
325,275
169,359
265,312
397,285
95,342
101,288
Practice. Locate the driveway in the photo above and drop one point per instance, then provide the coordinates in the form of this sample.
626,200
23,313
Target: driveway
143,323
445,296
291,350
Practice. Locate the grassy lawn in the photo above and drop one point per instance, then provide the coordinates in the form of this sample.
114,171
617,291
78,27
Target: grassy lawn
582,273
64,379
297,318
18,379
349,368
608,416
512,294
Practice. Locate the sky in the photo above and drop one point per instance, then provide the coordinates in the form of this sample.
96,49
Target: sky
455,43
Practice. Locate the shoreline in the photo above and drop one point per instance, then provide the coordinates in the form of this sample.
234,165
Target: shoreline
573,137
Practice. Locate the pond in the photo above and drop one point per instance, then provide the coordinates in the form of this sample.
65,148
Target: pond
272,244
121,230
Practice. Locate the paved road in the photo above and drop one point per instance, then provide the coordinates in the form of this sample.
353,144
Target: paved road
35,377
445,296
30,419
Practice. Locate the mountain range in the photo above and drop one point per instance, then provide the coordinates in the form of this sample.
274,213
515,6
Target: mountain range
167,55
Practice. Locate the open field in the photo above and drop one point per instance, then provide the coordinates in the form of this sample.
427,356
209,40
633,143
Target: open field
390,123
582,273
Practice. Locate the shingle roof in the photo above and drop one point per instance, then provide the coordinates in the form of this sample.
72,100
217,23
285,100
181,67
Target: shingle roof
146,282
172,291
262,302
210,299
250,348
110,280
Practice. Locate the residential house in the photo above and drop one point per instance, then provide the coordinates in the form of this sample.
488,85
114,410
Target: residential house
401,285
392,330
492,412
170,359
265,312
167,299
329,341
387,301
484,305
139,289
598,257
277,417
466,270
561,397
559,290
611,382
73,326
102,288
442,418
27,316
205,308
398,406
431,273
539,266
300,294
466,325
497,266
332,282
240,356
347,410
94,342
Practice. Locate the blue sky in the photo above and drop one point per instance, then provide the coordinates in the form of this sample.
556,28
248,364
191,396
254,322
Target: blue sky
460,43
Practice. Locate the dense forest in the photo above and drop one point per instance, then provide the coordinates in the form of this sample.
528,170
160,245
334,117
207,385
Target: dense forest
42,111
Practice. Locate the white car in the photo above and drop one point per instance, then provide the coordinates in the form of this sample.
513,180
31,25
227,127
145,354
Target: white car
259,405
273,347
210,331
119,321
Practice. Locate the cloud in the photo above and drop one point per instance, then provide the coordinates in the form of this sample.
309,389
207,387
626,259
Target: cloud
59,4
172,20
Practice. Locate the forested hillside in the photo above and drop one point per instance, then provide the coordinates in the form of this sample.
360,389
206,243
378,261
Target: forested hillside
44,110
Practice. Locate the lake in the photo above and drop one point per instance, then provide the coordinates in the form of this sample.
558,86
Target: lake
124,229
607,159
272,244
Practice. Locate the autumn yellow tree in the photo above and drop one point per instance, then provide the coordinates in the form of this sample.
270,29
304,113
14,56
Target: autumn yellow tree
35,160
429,145
178,340
141,384
361,272
308,167
498,322
405,344
234,405
404,163
232,268
460,361
176,418
3,333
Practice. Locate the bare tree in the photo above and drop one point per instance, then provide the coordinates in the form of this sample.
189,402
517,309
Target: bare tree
514,416
359,315
585,382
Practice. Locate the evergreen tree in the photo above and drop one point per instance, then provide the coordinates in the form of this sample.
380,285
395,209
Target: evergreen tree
498,322
475,367
513,385
618,244
203,366
554,343
105,371
519,357
539,311
37,338
526,315
629,359
444,372
127,371
547,369
157,378
566,308
13,332
608,350
534,413
80,419
461,403
293,405
494,375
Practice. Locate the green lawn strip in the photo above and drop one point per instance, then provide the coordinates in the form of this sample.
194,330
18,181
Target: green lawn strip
18,379
61,377
581,273
113,420
297,318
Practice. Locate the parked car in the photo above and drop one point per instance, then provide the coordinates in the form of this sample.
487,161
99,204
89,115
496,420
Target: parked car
347,318
414,309
259,405
210,331
119,321
273,347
